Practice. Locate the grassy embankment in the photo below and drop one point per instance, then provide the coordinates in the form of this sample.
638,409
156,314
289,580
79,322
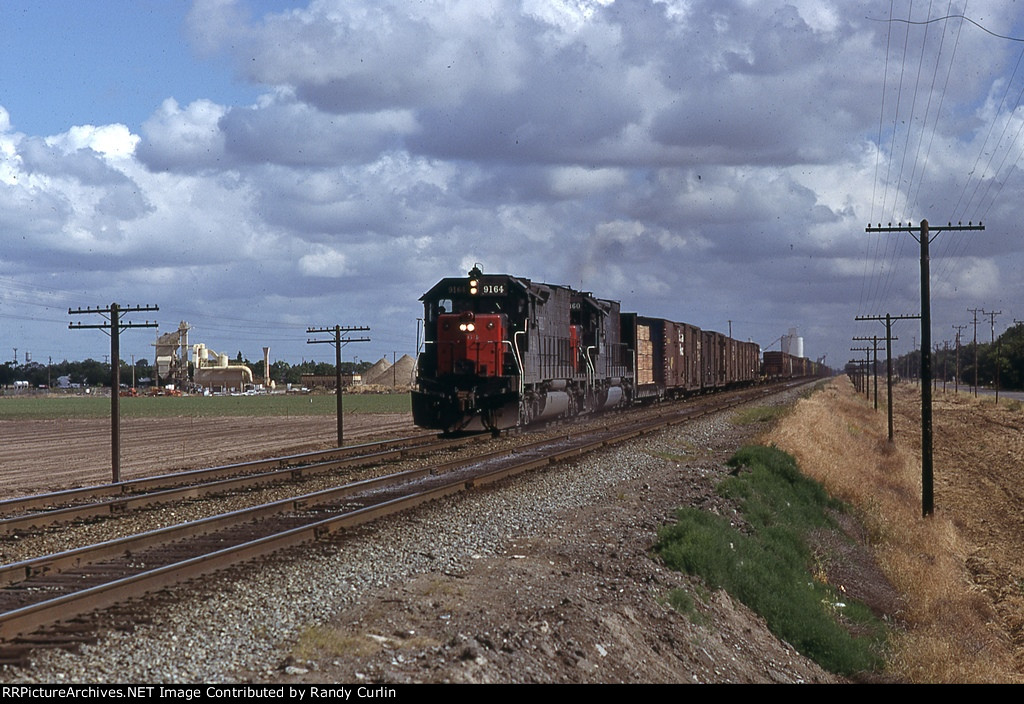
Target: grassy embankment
43,408
769,565
945,632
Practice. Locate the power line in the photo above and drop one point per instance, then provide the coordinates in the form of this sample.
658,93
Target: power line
943,19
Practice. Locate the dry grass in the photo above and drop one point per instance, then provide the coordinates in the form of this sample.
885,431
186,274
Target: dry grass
949,631
326,641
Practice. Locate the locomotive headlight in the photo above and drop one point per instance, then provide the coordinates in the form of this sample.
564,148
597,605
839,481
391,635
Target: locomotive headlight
473,286
462,327
471,327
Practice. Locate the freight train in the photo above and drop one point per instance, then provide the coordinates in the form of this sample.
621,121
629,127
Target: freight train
502,351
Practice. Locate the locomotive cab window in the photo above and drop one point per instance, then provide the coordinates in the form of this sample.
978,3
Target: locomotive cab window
439,307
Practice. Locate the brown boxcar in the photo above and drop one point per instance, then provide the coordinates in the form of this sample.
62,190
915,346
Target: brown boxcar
678,358
780,365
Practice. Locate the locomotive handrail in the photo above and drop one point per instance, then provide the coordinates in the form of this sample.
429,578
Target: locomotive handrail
519,364
590,364
518,355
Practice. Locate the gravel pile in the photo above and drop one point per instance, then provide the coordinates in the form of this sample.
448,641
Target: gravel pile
246,619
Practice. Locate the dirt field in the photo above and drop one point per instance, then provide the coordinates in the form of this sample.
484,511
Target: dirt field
47,455
978,458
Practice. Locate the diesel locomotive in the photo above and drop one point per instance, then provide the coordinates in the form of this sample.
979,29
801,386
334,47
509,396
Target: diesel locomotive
502,351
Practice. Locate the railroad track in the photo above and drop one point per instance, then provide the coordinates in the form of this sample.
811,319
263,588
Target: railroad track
42,597
30,513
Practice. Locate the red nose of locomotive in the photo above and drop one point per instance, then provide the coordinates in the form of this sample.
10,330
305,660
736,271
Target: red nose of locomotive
470,344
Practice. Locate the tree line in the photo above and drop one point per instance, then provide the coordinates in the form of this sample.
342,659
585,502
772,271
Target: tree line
1005,355
90,372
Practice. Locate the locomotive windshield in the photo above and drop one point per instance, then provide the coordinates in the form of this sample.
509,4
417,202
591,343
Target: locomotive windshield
462,305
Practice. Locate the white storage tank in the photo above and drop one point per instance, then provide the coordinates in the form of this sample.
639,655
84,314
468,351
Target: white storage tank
792,344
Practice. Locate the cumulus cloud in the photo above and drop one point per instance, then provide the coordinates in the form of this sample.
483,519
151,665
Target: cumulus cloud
704,160
112,141
58,158
299,135
185,140
323,261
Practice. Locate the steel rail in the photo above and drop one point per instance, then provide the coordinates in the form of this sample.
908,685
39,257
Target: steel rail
15,572
172,479
29,618
122,504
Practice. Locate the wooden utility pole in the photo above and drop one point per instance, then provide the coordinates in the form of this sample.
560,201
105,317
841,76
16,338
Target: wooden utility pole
113,327
956,381
867,363
923,236
338,341
887,320
874,366
992,319
975,311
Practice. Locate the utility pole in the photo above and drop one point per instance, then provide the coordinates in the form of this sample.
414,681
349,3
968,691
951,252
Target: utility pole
113,328
924,239
976,311
887,320
945,362
866,363
874,370
956,381
338,343
857,375
992,318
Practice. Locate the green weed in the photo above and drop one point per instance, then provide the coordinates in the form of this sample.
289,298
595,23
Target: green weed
771,568
760,414
681,601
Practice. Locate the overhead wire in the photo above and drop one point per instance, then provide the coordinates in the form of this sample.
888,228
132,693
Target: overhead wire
873,244
893,246
994,165
942,98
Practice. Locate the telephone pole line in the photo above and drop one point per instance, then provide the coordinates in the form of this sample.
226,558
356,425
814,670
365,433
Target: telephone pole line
874,366
867,365
887,320
992,318
113,328
338,341
956,381
923,236
975,311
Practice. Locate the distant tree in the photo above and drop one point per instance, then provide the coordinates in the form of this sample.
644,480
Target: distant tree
279,371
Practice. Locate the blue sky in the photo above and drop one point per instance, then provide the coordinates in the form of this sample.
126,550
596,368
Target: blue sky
110,61
256,168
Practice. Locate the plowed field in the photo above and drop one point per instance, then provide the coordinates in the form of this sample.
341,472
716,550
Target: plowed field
979,456
47,455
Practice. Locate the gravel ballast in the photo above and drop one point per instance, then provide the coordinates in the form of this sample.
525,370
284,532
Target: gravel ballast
461,590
